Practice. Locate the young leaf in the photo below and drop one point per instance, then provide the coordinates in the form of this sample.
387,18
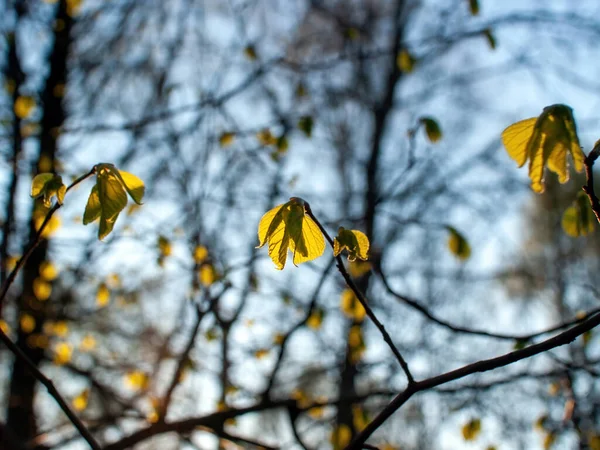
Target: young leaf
354,241
48,185
545,141
578,219
305,124
288,226
458,245
109,197
432,129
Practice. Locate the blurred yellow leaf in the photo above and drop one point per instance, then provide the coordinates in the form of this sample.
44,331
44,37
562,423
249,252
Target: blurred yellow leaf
27,322
250,52
288,226
278,339
579,219
261,353
545,141
340,437
41,289
164,246
405,61
48,271
136,380
226,138
200,254
359,268
594,441
81,401
457,244
60,328
63,352
471,429
24,105
489,37
207,274
474,7
102,295
88,343
4,327
549,440
315,320
360,418
266,138
350,305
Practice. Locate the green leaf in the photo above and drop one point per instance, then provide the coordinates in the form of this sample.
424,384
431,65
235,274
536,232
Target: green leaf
354,242
48,185
474,7
457,244
432,129
545,141
491,40
579,219
305,124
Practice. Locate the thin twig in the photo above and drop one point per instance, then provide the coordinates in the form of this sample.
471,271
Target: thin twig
362,299
588,188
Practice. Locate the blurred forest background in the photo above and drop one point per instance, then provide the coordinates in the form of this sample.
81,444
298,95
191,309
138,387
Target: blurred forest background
385,115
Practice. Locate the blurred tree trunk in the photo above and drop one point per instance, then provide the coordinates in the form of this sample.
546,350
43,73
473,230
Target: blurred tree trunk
21,418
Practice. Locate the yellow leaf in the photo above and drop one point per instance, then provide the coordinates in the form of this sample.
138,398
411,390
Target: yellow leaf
48,271
60,328
405,61
261,353
136,380
207,274
278,339
250,52
594,442
359,268
340,437
458,245
266,138
62,353
73,7
226,138
164,246
288,226
471,429
24,105
549,440
88,343
102,295
81,401
579,219
27,323
356,342
546,142
315,320
351,307
41,289
133,185
354,242
360,418
200,254
4,327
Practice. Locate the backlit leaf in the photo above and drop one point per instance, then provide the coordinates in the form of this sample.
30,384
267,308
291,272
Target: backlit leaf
136,380
200,254
41,289
80,402
133,185
48,271
63,352
48,185
458,245
354,242
579,219
288,226
545,142
351,307
102,295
